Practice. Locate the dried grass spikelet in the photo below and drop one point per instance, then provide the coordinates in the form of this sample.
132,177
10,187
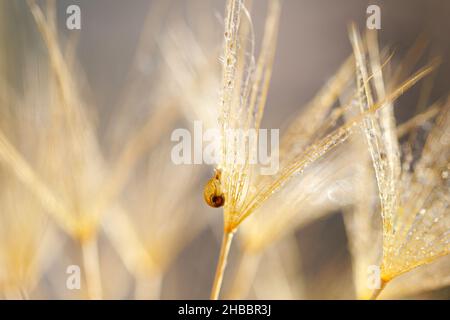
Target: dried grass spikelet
305,197
23,226
160,200
323,188
413,196
28,240
78,197
122,231
68,141
27,237
243,94
364,226
162,219
70,147
244,91
424,278
172,220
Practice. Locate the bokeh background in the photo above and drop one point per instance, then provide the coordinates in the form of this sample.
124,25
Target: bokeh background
313,42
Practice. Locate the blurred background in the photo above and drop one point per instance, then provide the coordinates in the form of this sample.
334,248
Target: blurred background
313,42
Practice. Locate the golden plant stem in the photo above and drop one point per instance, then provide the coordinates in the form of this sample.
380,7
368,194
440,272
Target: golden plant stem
376,293
243,278
92,268
221,264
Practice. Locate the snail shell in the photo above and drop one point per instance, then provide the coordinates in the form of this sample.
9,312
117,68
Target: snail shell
212,193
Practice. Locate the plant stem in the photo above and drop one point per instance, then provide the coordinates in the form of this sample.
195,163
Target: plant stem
92,268
221,264
377,292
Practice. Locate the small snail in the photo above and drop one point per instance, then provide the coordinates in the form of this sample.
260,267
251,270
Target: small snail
212,193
